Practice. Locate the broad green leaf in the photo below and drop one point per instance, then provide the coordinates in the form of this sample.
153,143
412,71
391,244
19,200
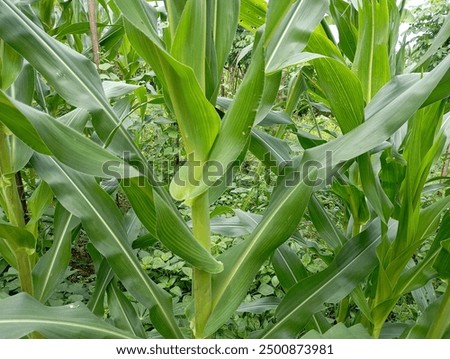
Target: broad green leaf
72,75
371,62
22,314
23,88
71,29
10,65
51,267
425,324
309,141
63,142
373,190
56,62
288,267
103,222
18,238
18,124
271,89
37,203
162,220
226,17
328,231
234,133
353,263
343,91
198,121
174,11
272,151
387,112
122,312
243,261
191,34
104,277
76,119
341,12
117,89
293,32
259,306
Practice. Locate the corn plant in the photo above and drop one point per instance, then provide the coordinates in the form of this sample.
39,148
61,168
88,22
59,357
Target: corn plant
393,126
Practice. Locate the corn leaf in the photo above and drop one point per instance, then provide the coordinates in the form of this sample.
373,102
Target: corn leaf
22,314
371,62
353,263
123,314
252,14
51,267
57,139
103,222
293,32
243,261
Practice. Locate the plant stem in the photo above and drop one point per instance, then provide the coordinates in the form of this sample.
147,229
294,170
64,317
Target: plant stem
14,210
201,281
343,309
94,32
440,325
8,184
25,264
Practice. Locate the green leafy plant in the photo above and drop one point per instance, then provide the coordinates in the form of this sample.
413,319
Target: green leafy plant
392,129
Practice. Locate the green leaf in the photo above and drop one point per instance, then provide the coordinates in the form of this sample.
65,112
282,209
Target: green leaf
371,62
23,88
37,204
243,261
387,112
103,222
51,267
353,263
343,91
234,133
198,120
164,222
22,314
272,151
252,14
18,238
191,34
288,267
328,231
259,306
225,22
426,321
104,277
51,137
10,65
123,313
348,34
59,64
293,32
72,75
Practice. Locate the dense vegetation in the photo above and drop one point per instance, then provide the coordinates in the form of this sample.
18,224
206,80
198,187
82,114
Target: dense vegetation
223,169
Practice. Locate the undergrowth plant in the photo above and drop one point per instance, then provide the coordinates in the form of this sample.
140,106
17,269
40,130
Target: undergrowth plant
78,145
